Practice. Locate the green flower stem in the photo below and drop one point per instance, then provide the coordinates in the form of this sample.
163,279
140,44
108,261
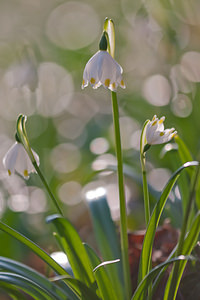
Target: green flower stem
145,189
123,219
173,290
47,187
143,148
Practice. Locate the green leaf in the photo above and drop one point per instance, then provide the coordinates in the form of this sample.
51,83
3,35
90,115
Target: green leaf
7,264
145,258
107,290
26,285
189,243
183,150
148,279
12,291
107,240
74,249
77,287
105,263
185,156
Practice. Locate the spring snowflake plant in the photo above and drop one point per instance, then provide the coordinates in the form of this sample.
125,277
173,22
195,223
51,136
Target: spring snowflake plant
108,277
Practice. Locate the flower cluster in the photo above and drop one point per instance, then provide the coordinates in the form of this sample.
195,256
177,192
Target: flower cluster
156,134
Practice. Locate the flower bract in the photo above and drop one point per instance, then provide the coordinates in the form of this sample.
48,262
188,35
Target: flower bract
17,159
102,69
156,134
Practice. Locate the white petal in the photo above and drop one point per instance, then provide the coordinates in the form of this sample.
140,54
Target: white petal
102,69
10,158
91,70
24,165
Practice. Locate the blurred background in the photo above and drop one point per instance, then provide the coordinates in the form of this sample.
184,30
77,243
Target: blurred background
44,46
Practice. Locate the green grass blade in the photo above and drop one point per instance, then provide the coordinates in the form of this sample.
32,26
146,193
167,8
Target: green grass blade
107,240
26,285
185,155
10,265
183,150
145,258
148,279
189,243
77,288
107,290
12,291
74,249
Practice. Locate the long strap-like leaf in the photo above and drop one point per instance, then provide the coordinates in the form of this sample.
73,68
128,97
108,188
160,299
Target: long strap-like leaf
145,257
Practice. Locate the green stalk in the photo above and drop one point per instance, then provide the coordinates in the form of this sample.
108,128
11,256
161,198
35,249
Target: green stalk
47,187
123,219
144,173
173,282
145,193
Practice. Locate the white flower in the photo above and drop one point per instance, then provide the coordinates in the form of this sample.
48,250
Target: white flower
102,69
17,159
156,134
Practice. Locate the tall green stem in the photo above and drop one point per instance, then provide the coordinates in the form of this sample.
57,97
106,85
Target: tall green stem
47,187
144,174
146,194
123,219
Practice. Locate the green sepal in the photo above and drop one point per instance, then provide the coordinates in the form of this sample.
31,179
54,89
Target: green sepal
103,44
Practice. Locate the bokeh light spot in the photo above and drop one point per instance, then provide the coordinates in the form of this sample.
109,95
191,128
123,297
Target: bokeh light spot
70,192
182,106
157,90
65,158
190,66
73,25
55,89
99,146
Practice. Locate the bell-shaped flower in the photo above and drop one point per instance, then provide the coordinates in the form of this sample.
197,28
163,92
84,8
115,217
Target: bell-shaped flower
102,69
17,159
156,134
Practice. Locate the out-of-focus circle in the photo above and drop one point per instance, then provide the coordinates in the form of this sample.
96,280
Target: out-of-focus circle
70,192
55,89
18,203
61,258
135,140
127,127
103,161
187,12
113,199
70,128
181,106
37,201
18,99
65,158
73,25
158,177
157,90
190,66
2,204
178,80
99,145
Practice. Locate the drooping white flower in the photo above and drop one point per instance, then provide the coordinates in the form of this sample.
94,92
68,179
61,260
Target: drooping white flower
17,159
156,134
102,69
